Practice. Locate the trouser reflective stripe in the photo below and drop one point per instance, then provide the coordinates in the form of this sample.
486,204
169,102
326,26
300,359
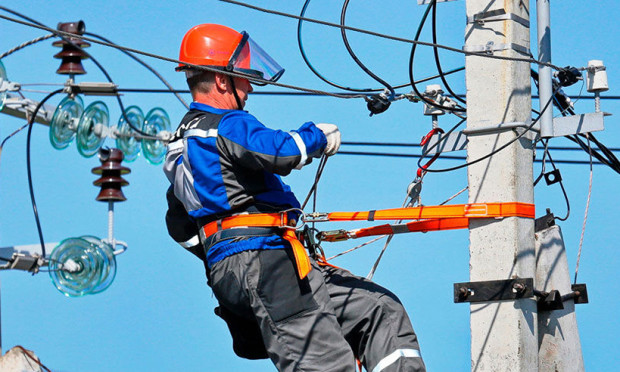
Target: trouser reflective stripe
390,359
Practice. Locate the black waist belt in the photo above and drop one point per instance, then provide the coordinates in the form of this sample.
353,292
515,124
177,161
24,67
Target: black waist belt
209,241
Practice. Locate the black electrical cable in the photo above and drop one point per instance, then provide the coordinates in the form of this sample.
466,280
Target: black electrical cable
610,155
436,53
29,167
411,58
317,177
563,191
491,153
147,66
542,170
404,144
449,157
610,163
343,14
274,93
311,67
336,85
198,67
95,61
456,50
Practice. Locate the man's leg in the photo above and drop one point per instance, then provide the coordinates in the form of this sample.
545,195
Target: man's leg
296,318
374,322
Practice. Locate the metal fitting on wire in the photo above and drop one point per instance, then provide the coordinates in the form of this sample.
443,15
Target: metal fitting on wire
378,103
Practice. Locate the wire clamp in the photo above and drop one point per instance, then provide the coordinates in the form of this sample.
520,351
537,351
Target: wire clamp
495,16
9,86
490,47
92,89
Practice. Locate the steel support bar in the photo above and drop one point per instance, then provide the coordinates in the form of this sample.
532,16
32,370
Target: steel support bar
545,86
561,126
23,107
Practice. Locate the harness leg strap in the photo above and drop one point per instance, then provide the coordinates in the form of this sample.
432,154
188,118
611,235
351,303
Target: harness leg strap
301,256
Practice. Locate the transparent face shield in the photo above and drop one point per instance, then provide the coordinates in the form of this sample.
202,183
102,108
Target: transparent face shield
251,60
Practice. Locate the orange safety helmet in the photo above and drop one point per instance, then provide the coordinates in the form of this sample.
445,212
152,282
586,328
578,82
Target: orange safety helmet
223,48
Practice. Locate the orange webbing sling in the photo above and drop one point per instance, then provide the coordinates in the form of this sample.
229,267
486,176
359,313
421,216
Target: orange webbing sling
433,218
265,220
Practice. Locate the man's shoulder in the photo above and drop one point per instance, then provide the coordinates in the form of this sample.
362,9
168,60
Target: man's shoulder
197,119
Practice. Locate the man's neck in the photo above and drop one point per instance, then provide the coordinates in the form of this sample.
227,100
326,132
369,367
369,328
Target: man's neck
217,101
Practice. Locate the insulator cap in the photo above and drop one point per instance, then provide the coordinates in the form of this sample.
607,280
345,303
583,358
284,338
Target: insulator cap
111,171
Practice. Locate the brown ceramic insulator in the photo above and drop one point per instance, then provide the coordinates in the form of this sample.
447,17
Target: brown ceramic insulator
111,166
78,42
111,179
111,161
71,66
111,194
111,171
76,27
71,55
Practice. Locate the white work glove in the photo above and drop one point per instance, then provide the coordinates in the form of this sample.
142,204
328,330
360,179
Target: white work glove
332,134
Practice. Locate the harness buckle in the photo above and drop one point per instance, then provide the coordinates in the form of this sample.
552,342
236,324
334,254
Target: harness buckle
334,235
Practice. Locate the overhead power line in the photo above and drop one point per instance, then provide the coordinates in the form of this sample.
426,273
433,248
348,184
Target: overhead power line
396,38
176,61
451,157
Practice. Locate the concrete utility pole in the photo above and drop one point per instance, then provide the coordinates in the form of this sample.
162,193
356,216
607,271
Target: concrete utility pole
503,333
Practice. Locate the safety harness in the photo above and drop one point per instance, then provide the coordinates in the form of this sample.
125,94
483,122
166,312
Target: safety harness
430,218
247,225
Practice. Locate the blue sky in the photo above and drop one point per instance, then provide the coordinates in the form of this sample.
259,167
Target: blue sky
158,313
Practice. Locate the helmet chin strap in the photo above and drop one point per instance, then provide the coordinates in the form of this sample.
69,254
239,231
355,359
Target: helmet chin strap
234,89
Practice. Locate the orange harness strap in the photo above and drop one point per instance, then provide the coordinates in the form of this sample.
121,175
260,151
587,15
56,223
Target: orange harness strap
434,218
266,220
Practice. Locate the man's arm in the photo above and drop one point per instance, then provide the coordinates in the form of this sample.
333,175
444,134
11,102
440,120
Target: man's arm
244,139
181,227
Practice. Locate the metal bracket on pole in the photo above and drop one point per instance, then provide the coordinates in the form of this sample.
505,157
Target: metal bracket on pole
497,15
575,124
494,290
24,257
552,300
442,142
458,141
491,47
562,126
23,107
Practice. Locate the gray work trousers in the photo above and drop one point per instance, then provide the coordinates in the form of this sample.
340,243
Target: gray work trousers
321,323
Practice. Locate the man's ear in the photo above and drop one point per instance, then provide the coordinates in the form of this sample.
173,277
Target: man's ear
221,82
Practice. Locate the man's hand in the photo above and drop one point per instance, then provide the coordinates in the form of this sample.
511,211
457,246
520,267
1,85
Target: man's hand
332,134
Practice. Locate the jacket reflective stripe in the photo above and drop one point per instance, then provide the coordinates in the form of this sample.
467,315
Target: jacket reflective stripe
302,149
200,133
390,359
194,240
176,145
